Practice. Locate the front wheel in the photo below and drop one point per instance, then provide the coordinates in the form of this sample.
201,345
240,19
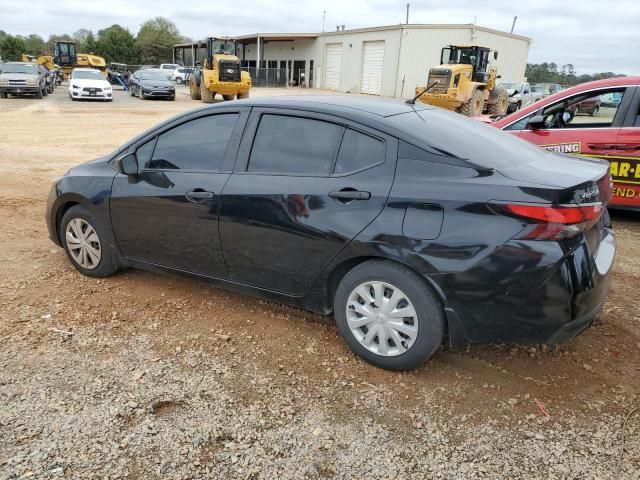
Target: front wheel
388,315
86,243
474,106
243,95
228,97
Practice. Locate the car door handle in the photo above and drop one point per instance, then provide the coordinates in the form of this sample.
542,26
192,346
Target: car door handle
198,194
602,146
350,194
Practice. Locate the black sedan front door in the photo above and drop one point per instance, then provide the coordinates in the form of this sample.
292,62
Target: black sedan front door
167,215
304,186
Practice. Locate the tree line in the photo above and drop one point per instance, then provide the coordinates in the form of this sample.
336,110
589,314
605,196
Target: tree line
565,75
152,45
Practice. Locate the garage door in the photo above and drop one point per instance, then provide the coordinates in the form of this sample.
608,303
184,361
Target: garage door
334,66
372,66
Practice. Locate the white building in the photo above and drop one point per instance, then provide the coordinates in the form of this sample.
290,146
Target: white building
389,61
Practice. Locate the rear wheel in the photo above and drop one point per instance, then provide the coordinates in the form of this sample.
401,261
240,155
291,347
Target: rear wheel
243,95
86,243
595,111
194,90
206,95
388,315
228,97
473,107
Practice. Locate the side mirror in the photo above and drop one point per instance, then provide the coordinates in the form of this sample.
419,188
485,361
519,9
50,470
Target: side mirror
495,55
127,164
498,76
536,122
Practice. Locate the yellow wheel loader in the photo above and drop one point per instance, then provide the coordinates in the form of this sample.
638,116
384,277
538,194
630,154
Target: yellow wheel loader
66,56
464,82
219,73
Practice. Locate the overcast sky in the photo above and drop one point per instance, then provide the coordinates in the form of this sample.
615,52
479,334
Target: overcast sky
594,35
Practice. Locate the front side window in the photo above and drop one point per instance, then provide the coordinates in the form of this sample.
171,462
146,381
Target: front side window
199,144
596,109
294,145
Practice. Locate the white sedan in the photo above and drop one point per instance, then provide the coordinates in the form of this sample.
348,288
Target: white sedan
87,83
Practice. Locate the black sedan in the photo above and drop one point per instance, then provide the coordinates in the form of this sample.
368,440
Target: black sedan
151,84
408,223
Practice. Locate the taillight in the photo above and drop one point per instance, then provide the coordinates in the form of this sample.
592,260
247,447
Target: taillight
552,222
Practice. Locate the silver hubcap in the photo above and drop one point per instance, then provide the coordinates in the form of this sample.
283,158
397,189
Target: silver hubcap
83,243
382,318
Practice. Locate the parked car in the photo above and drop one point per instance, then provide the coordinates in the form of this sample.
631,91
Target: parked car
520,95
546,89
151,84
181,75
167,69
22,78
612,133
407,222
89,84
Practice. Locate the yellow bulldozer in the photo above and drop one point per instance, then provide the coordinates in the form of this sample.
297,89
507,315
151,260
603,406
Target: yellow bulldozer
465,82
66,56
219,73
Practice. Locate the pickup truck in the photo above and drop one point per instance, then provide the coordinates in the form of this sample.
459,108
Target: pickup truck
520,95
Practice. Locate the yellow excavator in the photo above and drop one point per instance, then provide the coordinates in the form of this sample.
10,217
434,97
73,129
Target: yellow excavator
66,56
465,82
219,73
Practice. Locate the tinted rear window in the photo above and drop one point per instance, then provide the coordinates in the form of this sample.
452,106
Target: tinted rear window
472,140
294,145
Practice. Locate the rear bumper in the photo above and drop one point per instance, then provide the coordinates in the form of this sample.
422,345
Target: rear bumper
529,292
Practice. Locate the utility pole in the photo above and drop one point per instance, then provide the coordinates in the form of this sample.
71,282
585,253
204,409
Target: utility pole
407,22
513,25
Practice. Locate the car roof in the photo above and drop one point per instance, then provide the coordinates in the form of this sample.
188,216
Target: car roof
373,105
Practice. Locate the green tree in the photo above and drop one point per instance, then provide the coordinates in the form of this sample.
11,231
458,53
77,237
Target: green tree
12,48
80,37
156,39
117,44
35,45
90,43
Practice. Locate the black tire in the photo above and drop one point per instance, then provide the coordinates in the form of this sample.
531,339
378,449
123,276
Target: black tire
499,102
474,106
106,266
4,95
430,314
39,94
228,97
243,95
45,92
172,98
595,111
194,89
206,95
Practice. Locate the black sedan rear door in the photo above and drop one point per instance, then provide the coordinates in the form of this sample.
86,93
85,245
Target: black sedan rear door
304,186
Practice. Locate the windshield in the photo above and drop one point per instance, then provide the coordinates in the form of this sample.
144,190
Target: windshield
225,46
460,55
152,76
19,68
87,75
467,139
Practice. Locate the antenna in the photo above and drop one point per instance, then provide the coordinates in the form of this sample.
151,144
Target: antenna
513,25
407,22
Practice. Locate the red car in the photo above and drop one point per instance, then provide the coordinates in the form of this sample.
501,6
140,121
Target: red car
613,133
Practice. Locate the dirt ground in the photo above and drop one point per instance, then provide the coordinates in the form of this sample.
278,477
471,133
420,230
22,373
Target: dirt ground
143,376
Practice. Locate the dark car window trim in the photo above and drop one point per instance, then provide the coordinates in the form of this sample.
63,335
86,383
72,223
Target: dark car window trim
251,129
633,110
227,162
539,111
